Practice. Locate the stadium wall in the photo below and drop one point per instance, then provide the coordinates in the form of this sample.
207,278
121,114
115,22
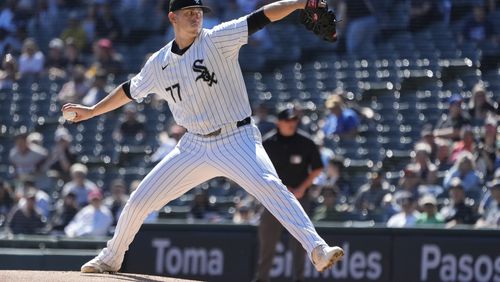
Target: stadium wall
228,253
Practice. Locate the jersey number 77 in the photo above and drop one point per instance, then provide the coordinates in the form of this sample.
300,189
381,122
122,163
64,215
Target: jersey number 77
171,90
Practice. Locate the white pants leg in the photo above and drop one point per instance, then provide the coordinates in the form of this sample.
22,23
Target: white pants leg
183,169
242,158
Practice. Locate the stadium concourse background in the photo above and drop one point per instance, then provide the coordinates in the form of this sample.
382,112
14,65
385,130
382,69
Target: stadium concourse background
411,194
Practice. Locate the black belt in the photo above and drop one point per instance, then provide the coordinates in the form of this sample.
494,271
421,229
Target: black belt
240,123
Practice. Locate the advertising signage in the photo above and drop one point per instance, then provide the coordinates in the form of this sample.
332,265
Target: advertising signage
447,259
229,253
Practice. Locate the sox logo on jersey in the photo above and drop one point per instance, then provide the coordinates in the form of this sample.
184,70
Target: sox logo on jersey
204,72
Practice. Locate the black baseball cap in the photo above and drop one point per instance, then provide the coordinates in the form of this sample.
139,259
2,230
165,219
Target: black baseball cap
287,114
176,5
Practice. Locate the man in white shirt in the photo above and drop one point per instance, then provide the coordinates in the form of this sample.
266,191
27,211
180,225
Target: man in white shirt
32,60
93,220
25,157
408,215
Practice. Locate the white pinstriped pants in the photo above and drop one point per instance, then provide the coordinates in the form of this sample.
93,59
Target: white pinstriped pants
238,155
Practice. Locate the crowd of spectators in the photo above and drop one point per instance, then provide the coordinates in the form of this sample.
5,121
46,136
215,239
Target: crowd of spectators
453,177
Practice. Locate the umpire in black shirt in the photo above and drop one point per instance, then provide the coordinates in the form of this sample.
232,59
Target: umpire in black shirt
297,161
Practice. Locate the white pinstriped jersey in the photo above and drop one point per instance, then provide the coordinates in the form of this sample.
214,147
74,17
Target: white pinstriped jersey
204,87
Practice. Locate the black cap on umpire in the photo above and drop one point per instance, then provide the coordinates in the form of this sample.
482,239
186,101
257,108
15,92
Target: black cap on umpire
176,5
288,114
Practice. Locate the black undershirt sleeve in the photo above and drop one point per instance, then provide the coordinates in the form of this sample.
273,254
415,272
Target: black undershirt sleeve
126,89
257,21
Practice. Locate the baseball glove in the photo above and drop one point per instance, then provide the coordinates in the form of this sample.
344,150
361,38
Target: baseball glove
317,18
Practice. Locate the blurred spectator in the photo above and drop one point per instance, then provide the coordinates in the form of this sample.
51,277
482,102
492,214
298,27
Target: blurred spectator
24,10
369,198
43,23
262,119
26,158
201,208
117,200
408,215
426,170
244,214
75,31
8,74
491,213
410,181
424,13
92,220
467,143
328,210
458,211
326,153
334,176
450,124
79,184
65,210
168,141
8,44
132,129
35,139
56,63
106,58
6,200
89,23
7,21
97,92
443,155
429,214
107,25
464,170
43,201
341,121
480,106
427,137
32,61
26,219
361,28
72,54
478,28
61,156
486,150
74,90
389,208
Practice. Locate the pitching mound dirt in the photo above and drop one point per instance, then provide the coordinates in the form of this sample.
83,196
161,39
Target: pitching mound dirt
73,276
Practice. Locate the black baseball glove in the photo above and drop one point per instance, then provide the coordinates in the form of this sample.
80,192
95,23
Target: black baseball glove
319,19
